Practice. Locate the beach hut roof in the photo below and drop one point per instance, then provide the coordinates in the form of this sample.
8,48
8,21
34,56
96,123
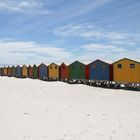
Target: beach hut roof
100,61
53,64
13,66
128,60
42,64
63,64
24,65
34,66
30,66
76,62
18,66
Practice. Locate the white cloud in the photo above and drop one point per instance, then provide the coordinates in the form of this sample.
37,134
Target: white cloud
91,32
23,52
71,30
102,48
19,52
78,8
107,53
28,7
104,44
89,6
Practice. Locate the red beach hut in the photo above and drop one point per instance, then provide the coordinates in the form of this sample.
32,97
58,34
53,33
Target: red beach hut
87,72
30,70
64,71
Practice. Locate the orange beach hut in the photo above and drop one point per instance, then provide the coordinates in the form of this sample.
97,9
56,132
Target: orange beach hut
5,71
53,71
24,71
9,71
126,70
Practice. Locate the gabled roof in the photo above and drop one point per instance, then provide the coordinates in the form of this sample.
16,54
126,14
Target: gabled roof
34,65
53,64
8,67
99,61
18,66
63,64
24,66
30,66
76,62
13,66
42,64
126,59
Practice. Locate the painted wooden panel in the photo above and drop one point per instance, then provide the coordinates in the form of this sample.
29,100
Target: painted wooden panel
111,72
9,71
30,71
42,71
5,71
18,71
64,71
24,71
77,70
35,72
53,70
126,70
13,71
99,70
2,71
87,72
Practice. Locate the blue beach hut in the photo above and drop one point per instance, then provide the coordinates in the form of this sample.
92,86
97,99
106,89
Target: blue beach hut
42,71
18,72
99,70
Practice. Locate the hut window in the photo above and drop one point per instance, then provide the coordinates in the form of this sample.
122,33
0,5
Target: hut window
55,67
132,65
103,66
63,67
119,66
94,66
51,67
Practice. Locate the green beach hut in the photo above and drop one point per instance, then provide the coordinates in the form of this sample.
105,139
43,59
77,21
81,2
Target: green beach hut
13,71
35,72
77,70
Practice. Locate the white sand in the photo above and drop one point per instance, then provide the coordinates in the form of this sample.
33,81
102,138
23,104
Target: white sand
37,110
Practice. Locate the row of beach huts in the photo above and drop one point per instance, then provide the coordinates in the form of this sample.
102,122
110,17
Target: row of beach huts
124,70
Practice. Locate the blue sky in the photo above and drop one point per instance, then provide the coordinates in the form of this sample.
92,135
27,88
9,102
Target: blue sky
35,31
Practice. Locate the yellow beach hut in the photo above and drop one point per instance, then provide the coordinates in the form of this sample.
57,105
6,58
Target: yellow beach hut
53,71
126,70
24,71
5,71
